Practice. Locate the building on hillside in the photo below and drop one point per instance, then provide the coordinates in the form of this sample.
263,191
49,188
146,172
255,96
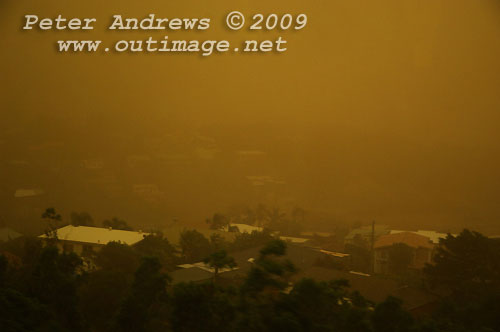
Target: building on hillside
21,193
7,234
421,250
295,240
244,228
316,234
82,239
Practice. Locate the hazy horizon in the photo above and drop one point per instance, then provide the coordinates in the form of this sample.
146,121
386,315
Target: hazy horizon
386,111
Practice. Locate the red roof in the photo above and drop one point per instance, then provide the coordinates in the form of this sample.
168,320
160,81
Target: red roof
411,239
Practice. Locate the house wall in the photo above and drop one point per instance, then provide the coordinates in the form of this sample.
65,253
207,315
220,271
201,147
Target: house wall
421,256
77,248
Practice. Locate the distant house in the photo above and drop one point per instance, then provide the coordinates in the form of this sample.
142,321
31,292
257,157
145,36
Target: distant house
244,228
7,234
296,240
318,234
421,246
20,193
83,239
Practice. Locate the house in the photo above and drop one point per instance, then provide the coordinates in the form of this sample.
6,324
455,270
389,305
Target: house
7,234
21,193
244,228
421,250
296,240
83,239
418,301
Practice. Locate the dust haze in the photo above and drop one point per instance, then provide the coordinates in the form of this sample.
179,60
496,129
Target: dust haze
380,110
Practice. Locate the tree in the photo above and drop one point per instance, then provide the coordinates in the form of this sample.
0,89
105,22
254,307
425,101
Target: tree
260,214
119,257
244,241
194,245
271,271
389,316
116,223
144,309
202,307
326,306
275,219
155,245
54,283
81,219
467,262
217,242
219,260
21,313
53,220
467,265
218,221
101,296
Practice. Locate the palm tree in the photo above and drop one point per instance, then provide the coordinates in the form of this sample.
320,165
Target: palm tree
275,218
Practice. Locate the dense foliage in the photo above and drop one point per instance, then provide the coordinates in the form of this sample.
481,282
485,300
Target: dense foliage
130,290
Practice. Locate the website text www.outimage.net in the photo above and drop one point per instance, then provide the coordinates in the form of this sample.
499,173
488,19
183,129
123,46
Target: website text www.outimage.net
235,20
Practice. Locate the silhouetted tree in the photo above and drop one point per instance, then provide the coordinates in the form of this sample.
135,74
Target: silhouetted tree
389,316
145,308
467,265
202,307
271,271
194,245
219,260
218,221
101,296
54,284
119,257
53,222
275,219
81,219
467,261
156,245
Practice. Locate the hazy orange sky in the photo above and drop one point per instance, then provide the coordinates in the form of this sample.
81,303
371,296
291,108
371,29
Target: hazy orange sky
386,110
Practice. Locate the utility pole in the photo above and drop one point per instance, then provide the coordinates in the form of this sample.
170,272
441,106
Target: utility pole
372,251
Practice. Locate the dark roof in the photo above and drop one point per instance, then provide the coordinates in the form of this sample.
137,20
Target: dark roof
373,288
191,274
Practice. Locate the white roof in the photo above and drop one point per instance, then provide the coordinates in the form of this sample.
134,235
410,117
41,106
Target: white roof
293,239
335,254
206,267
432,235
96,235
27,192
244,228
